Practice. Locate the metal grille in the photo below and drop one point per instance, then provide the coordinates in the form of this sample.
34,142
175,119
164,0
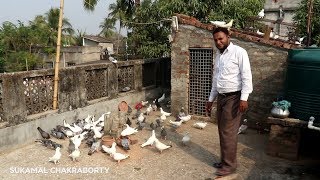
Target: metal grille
200,79
125,77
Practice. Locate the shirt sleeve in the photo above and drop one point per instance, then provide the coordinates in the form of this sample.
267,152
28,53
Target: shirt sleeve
214,92
246,76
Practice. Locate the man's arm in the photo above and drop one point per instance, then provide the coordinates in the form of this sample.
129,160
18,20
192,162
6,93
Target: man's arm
214,92
246,78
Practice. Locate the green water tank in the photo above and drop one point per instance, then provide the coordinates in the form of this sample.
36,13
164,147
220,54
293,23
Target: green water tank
303,83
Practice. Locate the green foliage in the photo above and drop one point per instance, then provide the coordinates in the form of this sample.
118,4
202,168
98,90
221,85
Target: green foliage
301,18
18,61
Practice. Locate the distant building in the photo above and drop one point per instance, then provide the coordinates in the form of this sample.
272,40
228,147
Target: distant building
281,11
89,40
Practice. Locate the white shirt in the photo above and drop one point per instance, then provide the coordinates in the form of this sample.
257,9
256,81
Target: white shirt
232,73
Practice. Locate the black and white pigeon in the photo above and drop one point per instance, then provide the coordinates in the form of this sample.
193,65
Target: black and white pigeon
43,134
163,133
94,147
128,121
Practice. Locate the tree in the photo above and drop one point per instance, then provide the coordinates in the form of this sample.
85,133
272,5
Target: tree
301,17
107,27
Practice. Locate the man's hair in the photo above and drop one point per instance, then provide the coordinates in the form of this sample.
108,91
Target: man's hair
220,29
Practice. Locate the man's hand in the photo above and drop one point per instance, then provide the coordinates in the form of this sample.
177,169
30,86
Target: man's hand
208,107
243,106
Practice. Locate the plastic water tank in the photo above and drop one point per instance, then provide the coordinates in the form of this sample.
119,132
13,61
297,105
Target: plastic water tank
303,83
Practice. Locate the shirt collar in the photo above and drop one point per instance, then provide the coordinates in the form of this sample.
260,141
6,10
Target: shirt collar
229,48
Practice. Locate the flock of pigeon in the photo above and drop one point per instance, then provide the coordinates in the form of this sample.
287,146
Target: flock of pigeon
91,131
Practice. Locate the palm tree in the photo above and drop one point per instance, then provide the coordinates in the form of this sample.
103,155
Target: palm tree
107,27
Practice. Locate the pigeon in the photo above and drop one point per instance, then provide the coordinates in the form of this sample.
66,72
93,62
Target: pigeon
137,114
125,143
218,23
88,119
260,33
151,139
163,133
165,113
140,125
153,126
200,125
128,121
112,59
118,156
128,131
129,110
176,124
59,128
94,147
57,134
299,41
186,138
141,118
161,98
55,145
156,102
182,112
185,118
75,130
158,123
243,127
144,103
148,110
163,117
154,105
56,157
160,146
71,146
45,142
261,14
110,150
97,133
228,25
43,134
75,154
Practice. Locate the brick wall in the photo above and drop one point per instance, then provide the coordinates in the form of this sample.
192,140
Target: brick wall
268,66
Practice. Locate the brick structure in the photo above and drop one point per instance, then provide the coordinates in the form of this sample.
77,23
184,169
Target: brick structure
267,58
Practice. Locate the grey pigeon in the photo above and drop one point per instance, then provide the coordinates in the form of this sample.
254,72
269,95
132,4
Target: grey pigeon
60,128
55,145
57,134
45,142
140,125
94,147
43,134
153,126
125,143
137,114
71,146
158,122
129,110
163,133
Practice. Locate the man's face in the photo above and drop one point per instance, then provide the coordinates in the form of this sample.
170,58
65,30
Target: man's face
221,40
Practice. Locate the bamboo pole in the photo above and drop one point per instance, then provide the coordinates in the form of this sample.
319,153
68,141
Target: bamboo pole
56,66
310,8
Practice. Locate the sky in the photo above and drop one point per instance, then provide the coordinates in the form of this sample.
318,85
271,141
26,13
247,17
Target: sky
26,10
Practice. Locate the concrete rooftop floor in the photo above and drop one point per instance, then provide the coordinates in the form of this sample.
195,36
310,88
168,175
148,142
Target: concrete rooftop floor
179,162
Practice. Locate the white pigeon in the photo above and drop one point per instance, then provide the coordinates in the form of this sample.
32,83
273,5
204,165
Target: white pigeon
200,125
228,25
182,112
176,123
163,117
112,59
154,107
151,140
218,23
162,97
299,41
185,118
149,109
261,14
77,128
144,103
160,146
141,118
73,129
75,154
163,112
118,156
128,131
260,33
101,118
242,128
56,157
76,141
97,133
110,150
186,138
88,118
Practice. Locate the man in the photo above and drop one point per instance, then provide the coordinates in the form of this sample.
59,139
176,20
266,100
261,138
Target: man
231,84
